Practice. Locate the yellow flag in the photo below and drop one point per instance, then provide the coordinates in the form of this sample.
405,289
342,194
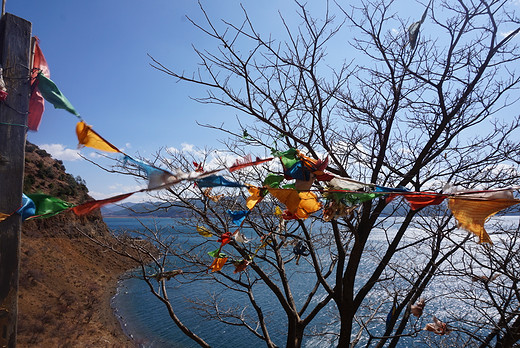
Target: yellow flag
255,197
204,232
471,214
88,137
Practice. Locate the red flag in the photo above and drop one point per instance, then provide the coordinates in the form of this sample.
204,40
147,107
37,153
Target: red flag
247,162
422,200
224,238
86,208
36,102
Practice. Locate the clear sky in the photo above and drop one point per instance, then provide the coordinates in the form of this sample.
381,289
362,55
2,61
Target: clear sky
97,54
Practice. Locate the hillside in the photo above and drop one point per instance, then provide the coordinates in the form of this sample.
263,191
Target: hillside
66,281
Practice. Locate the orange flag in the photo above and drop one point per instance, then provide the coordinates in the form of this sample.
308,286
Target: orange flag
471,214
88,137
86,208
4,216
217,264
300,204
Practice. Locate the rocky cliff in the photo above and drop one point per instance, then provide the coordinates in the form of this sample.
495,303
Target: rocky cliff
66,281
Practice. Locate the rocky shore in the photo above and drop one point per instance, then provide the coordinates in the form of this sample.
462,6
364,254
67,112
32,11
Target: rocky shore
66,281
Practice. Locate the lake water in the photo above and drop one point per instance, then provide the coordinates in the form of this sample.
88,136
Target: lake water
146,319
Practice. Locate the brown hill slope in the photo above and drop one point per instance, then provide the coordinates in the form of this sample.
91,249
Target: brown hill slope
66,281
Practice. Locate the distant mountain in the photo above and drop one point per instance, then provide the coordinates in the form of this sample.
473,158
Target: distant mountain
394,208
143,209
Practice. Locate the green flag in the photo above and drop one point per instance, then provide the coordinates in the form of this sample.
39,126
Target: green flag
289,158
53,95
47,206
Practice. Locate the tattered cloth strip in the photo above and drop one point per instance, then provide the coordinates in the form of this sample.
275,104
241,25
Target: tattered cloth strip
157,177
47,206
413,29
472,213
53,95
87,207
88,137
247,162
240,265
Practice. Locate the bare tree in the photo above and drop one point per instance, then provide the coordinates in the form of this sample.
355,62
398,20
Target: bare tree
415,103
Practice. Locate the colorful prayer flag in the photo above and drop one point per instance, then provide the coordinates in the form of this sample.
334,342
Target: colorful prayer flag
238,216
53,95
204,232
471,214
47,206
28,207
157,177
216,180
87,207
217,264
36,101
88,137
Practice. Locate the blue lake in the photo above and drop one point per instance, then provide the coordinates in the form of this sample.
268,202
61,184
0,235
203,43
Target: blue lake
146,319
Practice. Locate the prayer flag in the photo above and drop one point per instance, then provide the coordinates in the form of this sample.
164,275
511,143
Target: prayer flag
224,239
238,216
247,162
36,101
347,184
216,253
4,216
216,180
87,207
418,201
256,196
391,314
88,137
273,180
301,204
28,207
289,158
240,238
53,95
217,264
240,265
157,177
47,206
413,30
471,214
204,232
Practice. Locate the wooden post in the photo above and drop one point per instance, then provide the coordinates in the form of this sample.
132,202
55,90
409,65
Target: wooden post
15,40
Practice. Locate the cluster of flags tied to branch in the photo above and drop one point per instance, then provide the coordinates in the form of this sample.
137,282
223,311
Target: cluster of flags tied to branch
339,195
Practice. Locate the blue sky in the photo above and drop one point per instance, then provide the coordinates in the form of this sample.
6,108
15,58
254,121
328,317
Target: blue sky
97,54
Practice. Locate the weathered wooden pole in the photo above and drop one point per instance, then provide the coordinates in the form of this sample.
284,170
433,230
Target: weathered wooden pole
15,42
